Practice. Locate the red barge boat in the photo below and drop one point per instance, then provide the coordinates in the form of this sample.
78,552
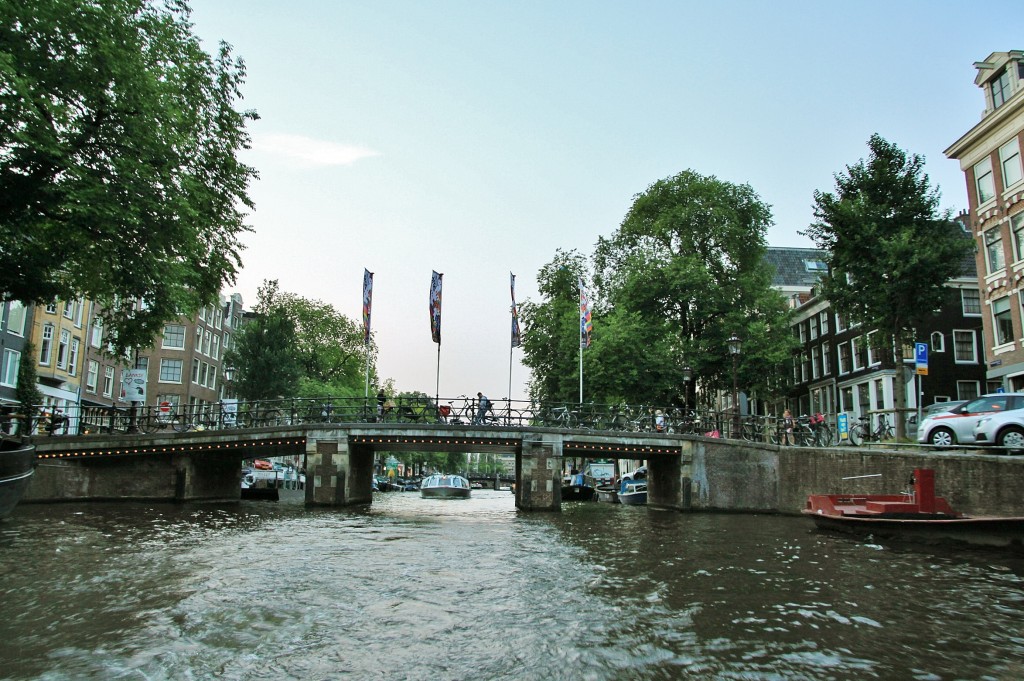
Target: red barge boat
917,515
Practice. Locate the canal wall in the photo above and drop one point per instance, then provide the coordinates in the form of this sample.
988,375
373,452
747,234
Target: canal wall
726,475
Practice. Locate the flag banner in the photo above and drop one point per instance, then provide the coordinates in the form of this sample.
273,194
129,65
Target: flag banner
367,302
435,307
517,339
586,326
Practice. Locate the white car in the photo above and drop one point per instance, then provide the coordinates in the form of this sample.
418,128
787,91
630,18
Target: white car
931,410
1005,430
957,426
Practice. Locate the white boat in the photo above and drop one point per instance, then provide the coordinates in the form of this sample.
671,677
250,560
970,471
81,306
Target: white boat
439,486
633,493
273,485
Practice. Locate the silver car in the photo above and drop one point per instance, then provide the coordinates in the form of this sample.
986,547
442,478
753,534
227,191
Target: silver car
957,426
931,410
1005,430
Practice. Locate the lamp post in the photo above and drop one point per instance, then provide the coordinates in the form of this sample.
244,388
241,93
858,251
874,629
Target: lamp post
687,377
734,349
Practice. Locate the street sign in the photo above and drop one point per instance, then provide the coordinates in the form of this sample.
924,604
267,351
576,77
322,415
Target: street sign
843,425
921,358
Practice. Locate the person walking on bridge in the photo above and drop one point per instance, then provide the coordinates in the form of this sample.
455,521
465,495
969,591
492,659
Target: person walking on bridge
483,405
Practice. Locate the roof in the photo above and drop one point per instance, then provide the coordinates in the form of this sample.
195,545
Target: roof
795,267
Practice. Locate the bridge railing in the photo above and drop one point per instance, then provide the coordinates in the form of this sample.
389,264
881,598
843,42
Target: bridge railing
461,411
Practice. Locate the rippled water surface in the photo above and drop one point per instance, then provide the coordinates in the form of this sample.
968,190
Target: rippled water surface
472,589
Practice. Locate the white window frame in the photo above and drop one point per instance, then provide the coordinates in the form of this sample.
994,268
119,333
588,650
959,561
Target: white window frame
174,337
984,181
815,364
46,345
995,321
843,370
976,296
869,339
938,342
62,349
974,347
168,369
1009,162
9,368
16,316
995,256
76,346
823,322
92,375
108,381
854,354
96,333
825,368
999,87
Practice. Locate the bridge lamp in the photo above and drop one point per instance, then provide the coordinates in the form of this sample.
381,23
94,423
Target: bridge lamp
735,344
687,377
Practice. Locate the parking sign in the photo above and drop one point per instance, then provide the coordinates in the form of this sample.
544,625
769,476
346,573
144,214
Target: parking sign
921,358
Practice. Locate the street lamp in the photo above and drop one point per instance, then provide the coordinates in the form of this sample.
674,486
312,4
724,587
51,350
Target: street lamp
734,349
687,377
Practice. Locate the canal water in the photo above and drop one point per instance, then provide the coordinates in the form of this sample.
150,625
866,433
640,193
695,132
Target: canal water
412,588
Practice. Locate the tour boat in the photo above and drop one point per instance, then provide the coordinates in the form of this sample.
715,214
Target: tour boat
439,486
916,515
17,464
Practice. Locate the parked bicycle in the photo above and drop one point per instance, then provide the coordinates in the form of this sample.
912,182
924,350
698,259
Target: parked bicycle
863,432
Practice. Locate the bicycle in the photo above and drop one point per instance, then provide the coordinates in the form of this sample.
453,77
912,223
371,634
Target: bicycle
862,431
152,421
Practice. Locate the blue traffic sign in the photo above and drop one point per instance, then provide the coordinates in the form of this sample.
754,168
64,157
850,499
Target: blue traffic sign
921,358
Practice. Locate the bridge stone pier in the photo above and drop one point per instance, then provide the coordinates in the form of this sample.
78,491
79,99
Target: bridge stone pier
338,471
539,475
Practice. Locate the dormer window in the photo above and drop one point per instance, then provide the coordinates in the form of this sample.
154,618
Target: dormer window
815,266
1000,89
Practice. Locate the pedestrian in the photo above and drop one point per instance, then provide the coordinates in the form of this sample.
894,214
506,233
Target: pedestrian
381,399
787,428
482,406
659,421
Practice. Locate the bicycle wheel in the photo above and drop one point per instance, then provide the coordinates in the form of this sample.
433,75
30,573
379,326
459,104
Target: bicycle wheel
826,437
145,424
857,434
890,433
180,423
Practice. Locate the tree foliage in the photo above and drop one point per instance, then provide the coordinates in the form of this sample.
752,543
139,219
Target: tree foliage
119,176
264,359
889,249
684,272
329,345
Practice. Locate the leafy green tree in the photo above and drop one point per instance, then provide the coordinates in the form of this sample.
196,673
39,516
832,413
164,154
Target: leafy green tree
889,248
551,343
264,358
329,344
684,272
27,393
119,176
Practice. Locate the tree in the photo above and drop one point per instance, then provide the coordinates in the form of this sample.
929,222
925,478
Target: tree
685,271
264,354
27,393
119,176
889,249
329,345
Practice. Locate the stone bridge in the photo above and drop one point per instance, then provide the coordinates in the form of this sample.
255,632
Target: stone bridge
685,472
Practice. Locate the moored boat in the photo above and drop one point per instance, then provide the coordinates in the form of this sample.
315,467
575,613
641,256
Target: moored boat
440,486
633,493
916,515
17,464
277,484
608,495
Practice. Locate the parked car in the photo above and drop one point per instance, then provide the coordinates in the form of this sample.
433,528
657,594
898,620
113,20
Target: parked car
957,426
1005,430
931,410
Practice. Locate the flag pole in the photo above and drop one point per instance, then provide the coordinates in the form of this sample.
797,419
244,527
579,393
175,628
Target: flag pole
437,379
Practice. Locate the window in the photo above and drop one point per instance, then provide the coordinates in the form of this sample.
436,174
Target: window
46,345
874,354
1009,159
964,347
69,309
170,370
859,354
983,181
79,308
813,322
823,320
1017,230
9,368
216,347
1000,86
815,364
966,390
970,299
1002,321
174,336
825,369
207,335
73,356
815,266
92,375
803,332
96,337
212,384
62,349
846,398
805,367
195,370
844,358
938,342
199,340
16,318
108,381
994,249
840,323
52,307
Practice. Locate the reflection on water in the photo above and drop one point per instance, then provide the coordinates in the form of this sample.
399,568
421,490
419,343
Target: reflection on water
454,589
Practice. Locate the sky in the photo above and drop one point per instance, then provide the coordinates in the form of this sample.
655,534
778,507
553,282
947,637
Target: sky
476,138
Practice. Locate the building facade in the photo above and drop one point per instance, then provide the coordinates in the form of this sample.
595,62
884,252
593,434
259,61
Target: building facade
990,157
837,366
15,327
